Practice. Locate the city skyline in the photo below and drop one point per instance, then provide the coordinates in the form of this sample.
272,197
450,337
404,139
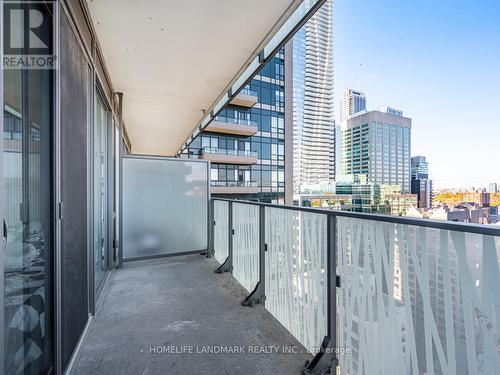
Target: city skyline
424,50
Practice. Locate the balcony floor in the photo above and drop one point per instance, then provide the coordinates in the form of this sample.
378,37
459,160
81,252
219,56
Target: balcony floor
181,301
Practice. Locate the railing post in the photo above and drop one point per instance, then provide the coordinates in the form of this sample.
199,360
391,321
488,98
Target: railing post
325,361
258,295
227,266
211,228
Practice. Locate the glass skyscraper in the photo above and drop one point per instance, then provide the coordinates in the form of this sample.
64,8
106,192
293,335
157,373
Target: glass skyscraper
377,144
313,100
420,183
419,167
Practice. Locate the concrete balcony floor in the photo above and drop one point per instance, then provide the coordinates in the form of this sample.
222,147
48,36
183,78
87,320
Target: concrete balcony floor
180,301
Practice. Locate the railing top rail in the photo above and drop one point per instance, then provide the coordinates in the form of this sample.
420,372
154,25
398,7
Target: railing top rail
246,90
225,151
161,158
488,230
239,121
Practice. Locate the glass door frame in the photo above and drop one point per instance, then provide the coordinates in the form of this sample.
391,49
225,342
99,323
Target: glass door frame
36,217
115,212
96,286
2,217
45,215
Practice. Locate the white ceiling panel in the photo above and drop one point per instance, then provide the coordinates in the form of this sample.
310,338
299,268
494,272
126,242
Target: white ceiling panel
173,59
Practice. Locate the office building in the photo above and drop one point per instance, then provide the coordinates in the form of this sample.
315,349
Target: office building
353,103
493,187
422,188
419,167
392,202
421,185
311,68
365,195
377,144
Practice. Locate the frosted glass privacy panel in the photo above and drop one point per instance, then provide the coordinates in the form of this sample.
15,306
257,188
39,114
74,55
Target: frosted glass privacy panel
296,273
221,230
246,244
165,206
417,300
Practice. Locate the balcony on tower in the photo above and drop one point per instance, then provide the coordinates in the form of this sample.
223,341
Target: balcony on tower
245,98
234,187
228,125
225,156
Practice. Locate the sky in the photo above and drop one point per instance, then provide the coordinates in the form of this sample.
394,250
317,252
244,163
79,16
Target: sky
438,61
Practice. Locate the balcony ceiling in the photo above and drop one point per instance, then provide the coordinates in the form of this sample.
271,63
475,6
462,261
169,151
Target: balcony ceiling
174,59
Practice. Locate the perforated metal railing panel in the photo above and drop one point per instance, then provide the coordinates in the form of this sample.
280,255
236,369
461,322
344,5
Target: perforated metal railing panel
221,230
417,300
296,277
246,244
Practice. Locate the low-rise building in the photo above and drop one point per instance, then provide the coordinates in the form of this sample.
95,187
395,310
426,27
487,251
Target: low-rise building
463,213
482,198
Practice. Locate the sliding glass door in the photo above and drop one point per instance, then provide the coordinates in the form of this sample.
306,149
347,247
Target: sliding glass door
101,254
116,191
28,253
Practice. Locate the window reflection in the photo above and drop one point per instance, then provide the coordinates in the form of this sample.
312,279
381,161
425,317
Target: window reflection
28,252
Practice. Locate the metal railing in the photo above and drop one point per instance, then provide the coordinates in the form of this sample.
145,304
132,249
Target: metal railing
222,151
247,91
369,293
238,121
234,183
